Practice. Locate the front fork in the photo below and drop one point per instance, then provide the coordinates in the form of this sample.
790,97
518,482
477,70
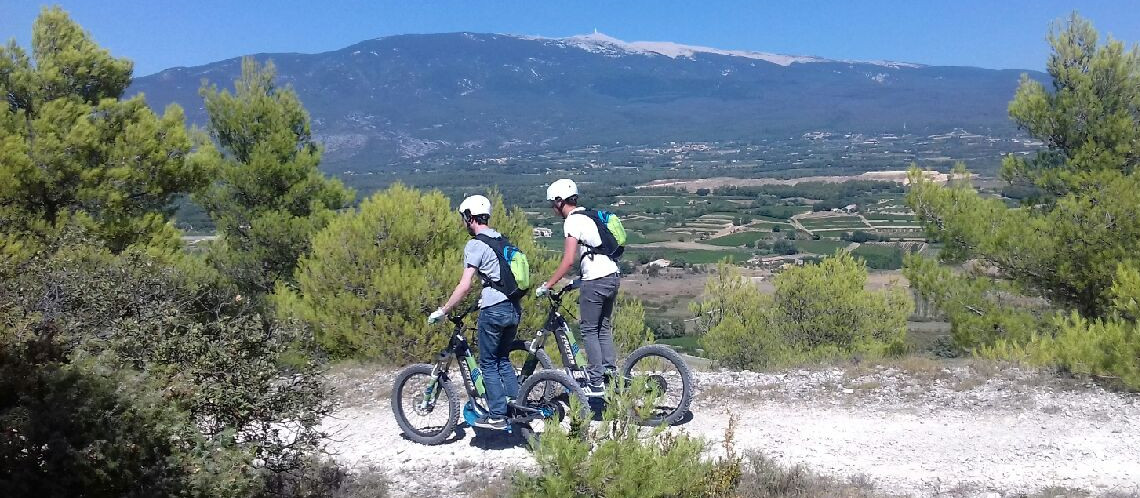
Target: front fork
532,347
472,376
439,371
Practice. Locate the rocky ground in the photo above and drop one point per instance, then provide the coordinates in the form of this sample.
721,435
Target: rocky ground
917,427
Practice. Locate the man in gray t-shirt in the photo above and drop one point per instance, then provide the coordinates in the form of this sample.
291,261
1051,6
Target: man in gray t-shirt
499,317
478,255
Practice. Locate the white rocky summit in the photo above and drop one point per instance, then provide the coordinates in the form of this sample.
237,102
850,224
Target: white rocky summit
601,43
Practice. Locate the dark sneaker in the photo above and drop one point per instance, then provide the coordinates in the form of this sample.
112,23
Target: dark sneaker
491,423
595,390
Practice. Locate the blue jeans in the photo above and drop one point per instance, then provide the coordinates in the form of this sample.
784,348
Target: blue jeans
498,325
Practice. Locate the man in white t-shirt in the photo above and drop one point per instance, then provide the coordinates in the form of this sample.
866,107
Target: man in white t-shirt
600,280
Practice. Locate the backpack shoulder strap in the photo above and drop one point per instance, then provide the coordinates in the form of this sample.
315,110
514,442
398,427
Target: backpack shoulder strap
498,246
590,251
489,240
592,214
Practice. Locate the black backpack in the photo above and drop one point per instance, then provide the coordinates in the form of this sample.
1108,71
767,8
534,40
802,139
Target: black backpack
510,259
610,245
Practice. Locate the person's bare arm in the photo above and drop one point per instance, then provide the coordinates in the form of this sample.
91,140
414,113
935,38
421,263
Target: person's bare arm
569,252
461,289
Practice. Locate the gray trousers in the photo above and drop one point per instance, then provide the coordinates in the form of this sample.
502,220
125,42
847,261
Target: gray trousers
596,308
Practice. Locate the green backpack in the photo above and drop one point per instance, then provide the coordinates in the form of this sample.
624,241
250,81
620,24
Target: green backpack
611,231
514,268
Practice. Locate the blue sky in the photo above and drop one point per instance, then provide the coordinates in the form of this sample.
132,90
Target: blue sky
994,34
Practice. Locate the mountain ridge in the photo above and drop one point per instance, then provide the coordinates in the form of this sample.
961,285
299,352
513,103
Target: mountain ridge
392,101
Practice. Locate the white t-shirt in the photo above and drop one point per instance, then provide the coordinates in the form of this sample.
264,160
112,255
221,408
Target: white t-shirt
583,228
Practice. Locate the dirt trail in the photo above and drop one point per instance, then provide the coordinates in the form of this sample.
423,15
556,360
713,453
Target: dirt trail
913,433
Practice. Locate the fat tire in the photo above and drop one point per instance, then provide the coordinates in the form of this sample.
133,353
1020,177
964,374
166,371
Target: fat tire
452,404
682,368
544,360
571,388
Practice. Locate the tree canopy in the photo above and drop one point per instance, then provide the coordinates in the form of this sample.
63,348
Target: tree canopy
267,196
73,151
127,367
375,273
1028,267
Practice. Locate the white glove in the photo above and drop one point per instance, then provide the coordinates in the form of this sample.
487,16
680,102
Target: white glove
435,316
542,290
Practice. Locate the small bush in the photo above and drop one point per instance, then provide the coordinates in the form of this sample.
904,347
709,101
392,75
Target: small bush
69,429
621,459
819,311
784,246
328,479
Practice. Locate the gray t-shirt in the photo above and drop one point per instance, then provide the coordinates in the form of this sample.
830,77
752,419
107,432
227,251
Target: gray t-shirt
480,256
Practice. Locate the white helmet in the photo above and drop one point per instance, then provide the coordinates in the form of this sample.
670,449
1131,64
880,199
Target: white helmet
561,189
475,206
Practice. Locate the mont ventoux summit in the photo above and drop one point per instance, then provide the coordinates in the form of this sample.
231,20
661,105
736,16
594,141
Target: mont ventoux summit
390,100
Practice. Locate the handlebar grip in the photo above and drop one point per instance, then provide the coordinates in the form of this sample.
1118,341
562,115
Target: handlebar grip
458,319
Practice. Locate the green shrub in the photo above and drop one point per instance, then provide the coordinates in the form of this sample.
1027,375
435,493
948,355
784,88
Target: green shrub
71,429
1103,348
630,331
160,326
620,459
818,311
375,273
1107,348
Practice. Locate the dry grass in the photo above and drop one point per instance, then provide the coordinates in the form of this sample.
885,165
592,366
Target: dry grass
480,486
329,479
364,483
922,367
360,383
867,386
969,383
763,477
735,393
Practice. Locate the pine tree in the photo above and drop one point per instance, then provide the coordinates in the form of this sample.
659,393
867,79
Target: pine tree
1065,250
375,274
268,197
73,151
